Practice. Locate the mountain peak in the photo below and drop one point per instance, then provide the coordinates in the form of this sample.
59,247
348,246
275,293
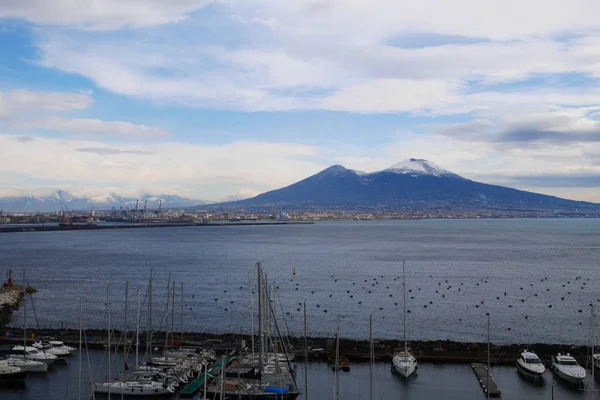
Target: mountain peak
418,166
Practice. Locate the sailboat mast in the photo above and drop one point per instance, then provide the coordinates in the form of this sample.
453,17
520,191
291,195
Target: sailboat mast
305,356
149,325
126,303
592,345
80,349
251,316
260,320
487,385
172,314
137,331
168,310
336,388
181,322
404,302
371,356
108,342
24,316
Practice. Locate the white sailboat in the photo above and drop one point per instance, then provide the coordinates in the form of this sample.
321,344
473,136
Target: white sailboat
404,362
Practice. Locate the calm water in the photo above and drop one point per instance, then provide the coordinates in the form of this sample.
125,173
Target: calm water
457,271
434,381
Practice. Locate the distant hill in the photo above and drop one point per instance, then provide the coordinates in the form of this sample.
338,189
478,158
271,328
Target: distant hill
414,184
62,198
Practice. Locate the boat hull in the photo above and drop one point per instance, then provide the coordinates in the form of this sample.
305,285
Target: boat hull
405,372
13,378
131,391
568,378
535,377
29,366
251,396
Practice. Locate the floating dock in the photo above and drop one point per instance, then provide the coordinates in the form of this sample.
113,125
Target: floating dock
488,385
193,387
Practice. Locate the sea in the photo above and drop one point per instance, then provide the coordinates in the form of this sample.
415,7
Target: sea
534,278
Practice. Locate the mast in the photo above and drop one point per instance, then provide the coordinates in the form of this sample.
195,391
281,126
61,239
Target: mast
336,388
172,315
487,385
305,356
137,331
126,303
251,316
592,345
167,312
149,324
80,349
371,356
404,302
24,316
181,322
108,342
260,320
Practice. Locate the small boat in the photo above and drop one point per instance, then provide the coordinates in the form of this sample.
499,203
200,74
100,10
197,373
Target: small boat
566,368
343,363
596,361
34,354
11,375
16,360
57,344
530,367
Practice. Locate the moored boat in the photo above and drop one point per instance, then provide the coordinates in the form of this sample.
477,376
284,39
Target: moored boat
530,367
10,375
31,353
567,368
16,360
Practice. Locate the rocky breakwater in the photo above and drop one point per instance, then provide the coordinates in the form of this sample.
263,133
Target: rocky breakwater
10,300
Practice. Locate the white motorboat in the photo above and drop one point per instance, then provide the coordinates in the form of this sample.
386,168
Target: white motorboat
134,388
530,366
403,361
49,349
34,354
10,375
596,361
16,360
57,344
566,368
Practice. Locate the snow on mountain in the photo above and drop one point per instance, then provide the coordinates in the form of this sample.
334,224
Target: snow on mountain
418,166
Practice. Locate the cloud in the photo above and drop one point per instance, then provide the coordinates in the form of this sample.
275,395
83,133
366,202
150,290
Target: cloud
199,171
553,127
111,151
19,102
95,127
572,180
100,14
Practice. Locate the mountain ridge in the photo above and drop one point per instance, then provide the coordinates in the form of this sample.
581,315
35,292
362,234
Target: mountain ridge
413,184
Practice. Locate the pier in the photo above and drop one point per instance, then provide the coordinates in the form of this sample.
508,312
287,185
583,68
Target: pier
193,387
486,380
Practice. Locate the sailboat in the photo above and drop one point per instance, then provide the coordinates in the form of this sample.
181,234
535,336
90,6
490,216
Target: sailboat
404,362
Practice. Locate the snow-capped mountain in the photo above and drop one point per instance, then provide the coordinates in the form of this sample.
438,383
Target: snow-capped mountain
418,166
63,199
414,184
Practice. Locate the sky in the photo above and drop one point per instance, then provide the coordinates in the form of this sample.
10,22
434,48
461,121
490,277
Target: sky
225,99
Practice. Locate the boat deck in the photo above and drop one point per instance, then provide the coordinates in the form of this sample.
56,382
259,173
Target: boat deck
481,372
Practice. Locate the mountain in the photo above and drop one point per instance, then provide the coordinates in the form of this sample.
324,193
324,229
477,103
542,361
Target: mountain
413,184
62,198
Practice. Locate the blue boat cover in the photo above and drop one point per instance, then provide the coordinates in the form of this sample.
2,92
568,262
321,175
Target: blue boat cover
278,390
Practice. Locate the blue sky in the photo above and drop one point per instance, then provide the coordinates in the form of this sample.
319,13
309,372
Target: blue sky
226,99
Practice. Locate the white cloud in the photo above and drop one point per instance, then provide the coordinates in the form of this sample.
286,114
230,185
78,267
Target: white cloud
100,14
207,172
18,102
95,127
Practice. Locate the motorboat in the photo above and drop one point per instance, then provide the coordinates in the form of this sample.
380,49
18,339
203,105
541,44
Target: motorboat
530,366
16,360
566,368
596,366
57,344
10,375
404,362
31,353
134,388
59,352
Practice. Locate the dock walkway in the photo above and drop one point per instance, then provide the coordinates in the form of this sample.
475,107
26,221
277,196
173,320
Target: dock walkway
481,372
192,388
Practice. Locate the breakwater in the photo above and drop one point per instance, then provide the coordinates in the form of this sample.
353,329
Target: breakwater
83,227
10,300
319,348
